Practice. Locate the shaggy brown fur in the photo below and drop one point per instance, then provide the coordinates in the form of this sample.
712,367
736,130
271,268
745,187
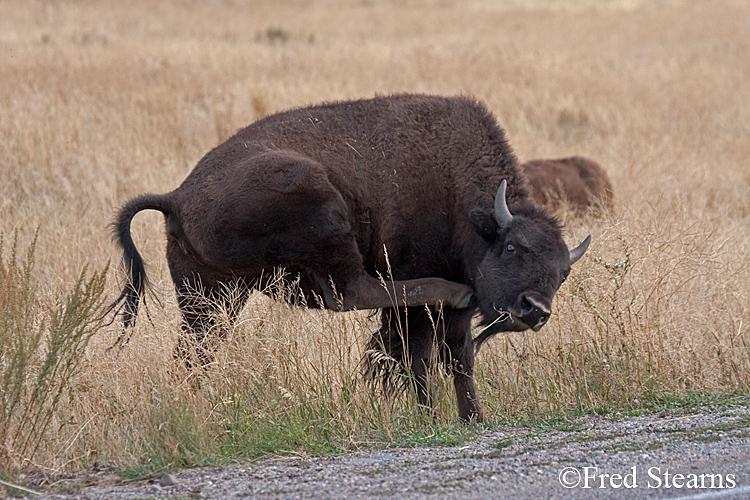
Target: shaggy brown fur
578,181
324,192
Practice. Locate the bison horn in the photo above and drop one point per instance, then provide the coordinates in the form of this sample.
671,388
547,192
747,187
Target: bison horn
578,251
502,214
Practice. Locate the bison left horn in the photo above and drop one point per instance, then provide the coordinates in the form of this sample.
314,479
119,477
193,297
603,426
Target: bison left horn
578,251
502,214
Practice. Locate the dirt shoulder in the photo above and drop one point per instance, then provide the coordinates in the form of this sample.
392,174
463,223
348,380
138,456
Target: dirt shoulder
657,456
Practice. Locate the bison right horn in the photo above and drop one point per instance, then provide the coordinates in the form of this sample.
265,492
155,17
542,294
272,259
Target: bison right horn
503,217
578,251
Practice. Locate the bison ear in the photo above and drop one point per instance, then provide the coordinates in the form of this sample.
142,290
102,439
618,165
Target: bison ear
484,224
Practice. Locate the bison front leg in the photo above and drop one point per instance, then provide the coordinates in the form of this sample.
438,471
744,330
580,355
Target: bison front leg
460,359
422,361
401,354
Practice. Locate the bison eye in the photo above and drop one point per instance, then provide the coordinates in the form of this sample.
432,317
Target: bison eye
510,248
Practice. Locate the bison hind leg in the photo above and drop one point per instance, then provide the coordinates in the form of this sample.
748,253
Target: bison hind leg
209,313
210,304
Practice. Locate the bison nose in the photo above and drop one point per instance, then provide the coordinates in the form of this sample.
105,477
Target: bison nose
534,312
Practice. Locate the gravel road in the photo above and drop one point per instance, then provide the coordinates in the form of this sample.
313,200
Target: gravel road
704,455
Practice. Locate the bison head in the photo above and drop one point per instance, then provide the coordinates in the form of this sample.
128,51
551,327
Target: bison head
525,263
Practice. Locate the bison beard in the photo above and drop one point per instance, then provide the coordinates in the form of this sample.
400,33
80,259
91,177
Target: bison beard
341,194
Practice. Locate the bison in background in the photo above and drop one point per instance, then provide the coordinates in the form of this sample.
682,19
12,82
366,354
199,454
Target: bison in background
340,194
578,181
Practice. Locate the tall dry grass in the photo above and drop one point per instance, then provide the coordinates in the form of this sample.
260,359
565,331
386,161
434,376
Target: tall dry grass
102,101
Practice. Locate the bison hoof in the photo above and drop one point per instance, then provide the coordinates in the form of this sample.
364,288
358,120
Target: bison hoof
469,301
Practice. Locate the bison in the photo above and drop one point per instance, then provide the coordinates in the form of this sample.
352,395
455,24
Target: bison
579,181
410,204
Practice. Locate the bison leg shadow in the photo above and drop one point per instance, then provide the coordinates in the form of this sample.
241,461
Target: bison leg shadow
402,353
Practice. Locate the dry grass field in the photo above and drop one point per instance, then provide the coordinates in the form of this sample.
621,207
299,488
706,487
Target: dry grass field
101,101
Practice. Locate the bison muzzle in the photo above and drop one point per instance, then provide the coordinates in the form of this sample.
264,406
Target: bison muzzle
421,190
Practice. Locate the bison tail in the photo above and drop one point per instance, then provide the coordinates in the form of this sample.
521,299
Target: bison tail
126,305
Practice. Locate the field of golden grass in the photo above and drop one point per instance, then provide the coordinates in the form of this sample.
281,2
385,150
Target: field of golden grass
101,101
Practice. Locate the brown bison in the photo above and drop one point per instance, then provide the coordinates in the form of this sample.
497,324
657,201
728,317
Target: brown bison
579,181
334,195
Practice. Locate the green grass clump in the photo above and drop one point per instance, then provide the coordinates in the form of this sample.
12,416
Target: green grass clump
41,347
